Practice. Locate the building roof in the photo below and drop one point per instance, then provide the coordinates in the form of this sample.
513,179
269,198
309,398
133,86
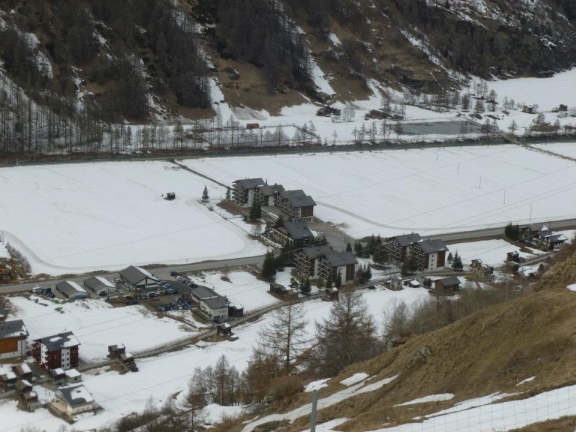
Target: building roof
314,252
59,341
407,239
250,183
267,190
298,230
57,372
2,309
98,283
212,299
432,246
76,395
297,198
13,329
449,281
272,210
72,373
556,237
341,259
135,275
70,288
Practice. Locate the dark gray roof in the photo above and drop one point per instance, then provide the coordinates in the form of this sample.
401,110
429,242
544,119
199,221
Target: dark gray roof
212,299
407,239
432,246
59,341
551,238
267,190
76,395
316,252
298,230
341,259
134,275
449,281
12,329
97,283
297,198
250,183
69,288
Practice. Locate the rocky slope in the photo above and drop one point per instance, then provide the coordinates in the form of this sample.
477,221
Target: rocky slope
150,60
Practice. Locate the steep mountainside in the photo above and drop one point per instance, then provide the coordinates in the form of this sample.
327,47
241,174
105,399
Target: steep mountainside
514,360
148,59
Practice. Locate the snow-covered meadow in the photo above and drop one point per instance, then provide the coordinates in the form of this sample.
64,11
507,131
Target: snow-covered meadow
430,191
160,377
96,324
85,217
491,252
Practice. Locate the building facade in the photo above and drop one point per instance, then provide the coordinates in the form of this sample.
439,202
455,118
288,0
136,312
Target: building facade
244,191
295,205
13,335
58,351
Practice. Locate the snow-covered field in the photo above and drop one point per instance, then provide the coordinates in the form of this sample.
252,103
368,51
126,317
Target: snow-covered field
161,377
79,218
429,191
96,324
491,252
564,149
244,288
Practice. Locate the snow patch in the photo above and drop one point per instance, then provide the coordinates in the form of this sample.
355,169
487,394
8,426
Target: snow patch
431,398
356,378
316,385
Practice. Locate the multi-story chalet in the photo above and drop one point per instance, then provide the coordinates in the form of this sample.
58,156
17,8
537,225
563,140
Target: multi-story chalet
245,190
323,262
398,247
138,278
211,304
266,195
13,336
338,264
295,205
430,254
295,233
58,351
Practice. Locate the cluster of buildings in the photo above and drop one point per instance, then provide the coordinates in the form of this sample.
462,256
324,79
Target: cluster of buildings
541,235
313,258
57,356
429,255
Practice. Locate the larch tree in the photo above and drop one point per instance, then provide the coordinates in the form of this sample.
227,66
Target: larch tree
347,336
285,338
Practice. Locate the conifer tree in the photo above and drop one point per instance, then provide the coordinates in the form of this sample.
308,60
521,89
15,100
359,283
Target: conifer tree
457,263
305,286
228,194
205,196
269,266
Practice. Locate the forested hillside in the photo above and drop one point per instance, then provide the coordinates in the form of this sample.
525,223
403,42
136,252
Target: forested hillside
93,63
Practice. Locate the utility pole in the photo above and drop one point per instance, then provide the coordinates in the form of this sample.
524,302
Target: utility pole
530,213
480,184
504,196
314,407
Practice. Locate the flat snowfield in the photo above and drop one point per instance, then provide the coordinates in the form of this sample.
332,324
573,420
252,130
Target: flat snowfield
96,324
84,217
430,191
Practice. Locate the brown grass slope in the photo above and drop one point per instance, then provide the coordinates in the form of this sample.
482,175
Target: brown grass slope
487,352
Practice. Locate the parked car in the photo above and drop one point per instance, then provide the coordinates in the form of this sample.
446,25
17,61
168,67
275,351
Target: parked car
173,273
36,289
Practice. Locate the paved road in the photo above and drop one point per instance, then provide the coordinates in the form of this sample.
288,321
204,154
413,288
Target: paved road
162,272
493,232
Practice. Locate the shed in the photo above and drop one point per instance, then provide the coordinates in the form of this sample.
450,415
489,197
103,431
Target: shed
31,401
73,376
71,289
23,371
451,283
99,285
23,386
252,126
513,256
235,310
224,330
58,375
280,289
116,350
170,196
